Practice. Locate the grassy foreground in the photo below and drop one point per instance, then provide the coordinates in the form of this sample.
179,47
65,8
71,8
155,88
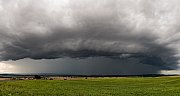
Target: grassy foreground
164,86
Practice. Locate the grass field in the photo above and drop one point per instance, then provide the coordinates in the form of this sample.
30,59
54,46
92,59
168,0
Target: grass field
164,86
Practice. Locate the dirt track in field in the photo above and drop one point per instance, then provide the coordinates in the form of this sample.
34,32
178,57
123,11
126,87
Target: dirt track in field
4,79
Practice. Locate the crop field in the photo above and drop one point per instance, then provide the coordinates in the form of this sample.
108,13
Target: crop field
151,86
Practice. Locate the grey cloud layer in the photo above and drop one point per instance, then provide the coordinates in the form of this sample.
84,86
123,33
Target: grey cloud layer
49,29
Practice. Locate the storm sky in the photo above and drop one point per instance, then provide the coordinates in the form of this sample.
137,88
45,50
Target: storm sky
87,37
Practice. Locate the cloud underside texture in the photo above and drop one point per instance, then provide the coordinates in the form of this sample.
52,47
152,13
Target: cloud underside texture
120,29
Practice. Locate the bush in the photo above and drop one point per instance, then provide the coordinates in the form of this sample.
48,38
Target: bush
37,77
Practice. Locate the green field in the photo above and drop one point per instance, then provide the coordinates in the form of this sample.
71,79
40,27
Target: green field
164,86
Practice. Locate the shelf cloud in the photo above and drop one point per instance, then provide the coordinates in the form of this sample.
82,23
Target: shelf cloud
119,29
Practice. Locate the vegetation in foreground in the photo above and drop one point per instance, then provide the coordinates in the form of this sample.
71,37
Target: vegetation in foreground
160,86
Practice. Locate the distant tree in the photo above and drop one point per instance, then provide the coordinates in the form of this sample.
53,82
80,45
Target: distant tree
37,77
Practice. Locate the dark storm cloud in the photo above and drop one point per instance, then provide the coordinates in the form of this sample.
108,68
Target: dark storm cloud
118,29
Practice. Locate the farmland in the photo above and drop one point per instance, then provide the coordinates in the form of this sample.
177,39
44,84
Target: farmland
136,86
